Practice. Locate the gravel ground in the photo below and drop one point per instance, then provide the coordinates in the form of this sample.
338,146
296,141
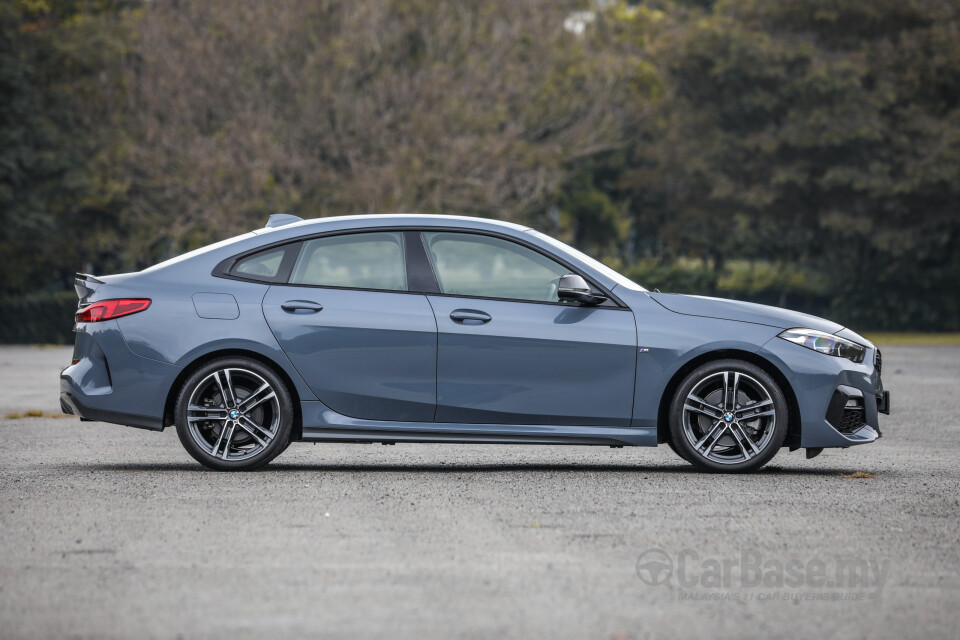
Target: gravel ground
109,531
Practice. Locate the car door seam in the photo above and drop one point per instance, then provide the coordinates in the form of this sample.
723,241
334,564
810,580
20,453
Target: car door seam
436,360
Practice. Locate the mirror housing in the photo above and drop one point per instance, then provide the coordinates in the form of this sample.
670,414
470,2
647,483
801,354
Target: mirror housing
574,287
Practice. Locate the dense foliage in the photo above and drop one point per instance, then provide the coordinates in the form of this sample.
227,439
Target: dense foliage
801,152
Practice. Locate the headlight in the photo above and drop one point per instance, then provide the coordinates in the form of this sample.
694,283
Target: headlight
826,343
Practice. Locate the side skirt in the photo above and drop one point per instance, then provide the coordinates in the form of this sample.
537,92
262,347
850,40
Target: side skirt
320,423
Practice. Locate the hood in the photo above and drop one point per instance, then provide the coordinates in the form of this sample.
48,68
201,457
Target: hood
743,312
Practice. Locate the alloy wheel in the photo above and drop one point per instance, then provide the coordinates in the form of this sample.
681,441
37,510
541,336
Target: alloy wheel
233,414
729,417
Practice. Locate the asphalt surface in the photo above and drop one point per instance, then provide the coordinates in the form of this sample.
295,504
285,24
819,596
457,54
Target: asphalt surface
110,531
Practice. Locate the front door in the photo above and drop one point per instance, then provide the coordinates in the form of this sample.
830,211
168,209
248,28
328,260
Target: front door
366,347
509,352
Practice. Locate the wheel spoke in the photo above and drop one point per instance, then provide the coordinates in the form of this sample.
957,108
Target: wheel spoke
229,440
230,389
223,393
245,404
221,413
714,441
742,436
252,423
705,407
751,416
726,390
216,445
252,427
715,432
745,411
743,448
708,411
736,390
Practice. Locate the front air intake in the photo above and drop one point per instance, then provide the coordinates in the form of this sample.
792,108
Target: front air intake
846,412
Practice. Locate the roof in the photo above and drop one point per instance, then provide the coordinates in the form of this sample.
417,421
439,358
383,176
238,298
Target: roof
280,221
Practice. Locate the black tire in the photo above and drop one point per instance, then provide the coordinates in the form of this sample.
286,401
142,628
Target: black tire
758,413
258,434
677,451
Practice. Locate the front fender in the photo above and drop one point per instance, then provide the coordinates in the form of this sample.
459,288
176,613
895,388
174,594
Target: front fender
667,341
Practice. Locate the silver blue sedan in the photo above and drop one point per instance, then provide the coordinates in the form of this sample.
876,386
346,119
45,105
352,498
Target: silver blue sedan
444,329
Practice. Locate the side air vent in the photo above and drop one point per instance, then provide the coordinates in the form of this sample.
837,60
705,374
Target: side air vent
877,361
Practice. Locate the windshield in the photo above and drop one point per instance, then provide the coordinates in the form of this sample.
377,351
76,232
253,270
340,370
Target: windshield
596,265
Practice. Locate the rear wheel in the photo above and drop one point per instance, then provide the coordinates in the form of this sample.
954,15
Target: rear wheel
728,416
234,414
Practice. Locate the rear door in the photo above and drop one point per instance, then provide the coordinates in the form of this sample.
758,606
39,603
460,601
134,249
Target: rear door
346,319
511,353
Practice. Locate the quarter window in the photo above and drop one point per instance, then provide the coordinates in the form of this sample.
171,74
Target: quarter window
356,261
261,266
477,265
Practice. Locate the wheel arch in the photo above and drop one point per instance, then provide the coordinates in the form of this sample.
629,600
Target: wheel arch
793,419
169,404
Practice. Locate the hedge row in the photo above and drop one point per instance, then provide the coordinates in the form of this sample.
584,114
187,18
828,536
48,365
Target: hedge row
38,319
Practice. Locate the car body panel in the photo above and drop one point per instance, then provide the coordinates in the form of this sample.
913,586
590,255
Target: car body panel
547,372
366,354
742,312
171,332
110,378
534,363
668,341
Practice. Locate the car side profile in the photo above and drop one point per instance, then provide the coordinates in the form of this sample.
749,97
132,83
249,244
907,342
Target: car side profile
446,329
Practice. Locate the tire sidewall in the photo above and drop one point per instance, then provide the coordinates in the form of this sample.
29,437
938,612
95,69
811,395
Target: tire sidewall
276,446
776,394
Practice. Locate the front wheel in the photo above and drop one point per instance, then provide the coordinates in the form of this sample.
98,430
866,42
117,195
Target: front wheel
234,414
728,416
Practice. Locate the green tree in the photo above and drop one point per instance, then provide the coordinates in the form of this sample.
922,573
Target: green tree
53,200
821,133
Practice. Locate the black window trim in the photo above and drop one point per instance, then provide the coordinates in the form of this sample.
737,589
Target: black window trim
225,268
416,263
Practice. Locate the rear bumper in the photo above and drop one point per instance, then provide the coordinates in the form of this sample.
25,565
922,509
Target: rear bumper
69,404
110,383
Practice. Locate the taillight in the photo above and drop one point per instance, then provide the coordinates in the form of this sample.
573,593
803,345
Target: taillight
110,309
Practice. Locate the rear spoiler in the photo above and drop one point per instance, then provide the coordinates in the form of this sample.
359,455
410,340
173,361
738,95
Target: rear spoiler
85,284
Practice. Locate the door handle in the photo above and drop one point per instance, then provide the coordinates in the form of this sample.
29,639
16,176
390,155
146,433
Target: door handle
470,316
301,306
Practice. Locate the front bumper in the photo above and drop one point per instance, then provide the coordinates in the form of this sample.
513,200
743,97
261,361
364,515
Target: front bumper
847,412
839,401
883,403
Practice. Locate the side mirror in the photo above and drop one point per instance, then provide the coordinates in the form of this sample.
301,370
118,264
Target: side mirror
574,287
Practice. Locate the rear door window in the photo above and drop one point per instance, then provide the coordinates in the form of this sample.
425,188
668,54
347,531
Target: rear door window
372,260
